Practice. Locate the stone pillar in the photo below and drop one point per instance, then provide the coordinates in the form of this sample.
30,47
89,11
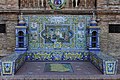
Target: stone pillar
76,3
38,3
34,3
67,3
72,3
85,3
47,6
42,3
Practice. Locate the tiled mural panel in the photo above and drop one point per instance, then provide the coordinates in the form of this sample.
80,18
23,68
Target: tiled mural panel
62,32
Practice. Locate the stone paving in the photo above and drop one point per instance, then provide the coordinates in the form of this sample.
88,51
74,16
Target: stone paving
82,70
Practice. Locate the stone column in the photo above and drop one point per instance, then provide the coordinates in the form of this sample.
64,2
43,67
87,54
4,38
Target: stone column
67,3
34,3
38,3
76,3
85,3
42,3
47,6
72,3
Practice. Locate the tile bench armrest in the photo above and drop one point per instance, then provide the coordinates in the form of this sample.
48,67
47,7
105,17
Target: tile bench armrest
11,63
105,63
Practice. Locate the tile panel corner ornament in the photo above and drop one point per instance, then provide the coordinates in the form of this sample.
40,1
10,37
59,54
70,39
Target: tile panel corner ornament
57,4
110,67
7,68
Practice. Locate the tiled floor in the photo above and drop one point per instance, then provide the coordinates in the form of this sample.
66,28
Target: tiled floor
82,70
79,68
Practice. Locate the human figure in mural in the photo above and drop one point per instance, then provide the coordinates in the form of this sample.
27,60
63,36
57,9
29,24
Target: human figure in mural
66,36
57,2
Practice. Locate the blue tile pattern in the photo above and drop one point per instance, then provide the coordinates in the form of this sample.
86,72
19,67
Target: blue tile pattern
57,56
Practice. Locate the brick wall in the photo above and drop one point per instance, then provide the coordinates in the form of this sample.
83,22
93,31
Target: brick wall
109,42
7,40
8,4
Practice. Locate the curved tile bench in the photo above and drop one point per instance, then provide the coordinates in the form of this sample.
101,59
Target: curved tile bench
10,64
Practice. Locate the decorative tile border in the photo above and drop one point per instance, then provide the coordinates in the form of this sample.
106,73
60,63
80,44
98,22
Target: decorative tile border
57,56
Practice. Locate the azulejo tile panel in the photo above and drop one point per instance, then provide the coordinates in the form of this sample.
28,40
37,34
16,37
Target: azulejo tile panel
45,30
